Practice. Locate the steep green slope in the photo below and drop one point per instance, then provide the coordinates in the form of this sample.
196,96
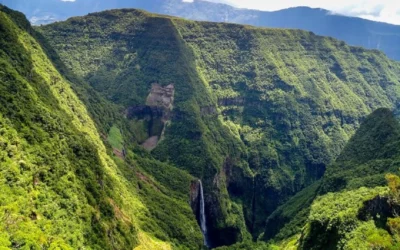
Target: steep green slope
348,220
257,114
370,154
364,218
61,186
195,140
288,220
295,97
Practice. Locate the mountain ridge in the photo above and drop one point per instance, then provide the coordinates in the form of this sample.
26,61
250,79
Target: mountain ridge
266,119
353,30
254,108
377,139
354,196
62,187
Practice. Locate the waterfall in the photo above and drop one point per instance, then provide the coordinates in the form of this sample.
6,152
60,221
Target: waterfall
203,223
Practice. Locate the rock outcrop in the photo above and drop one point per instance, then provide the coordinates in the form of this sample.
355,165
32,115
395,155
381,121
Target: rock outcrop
194,196
156,113
161,97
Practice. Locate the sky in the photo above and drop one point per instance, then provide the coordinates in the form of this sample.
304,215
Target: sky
378,10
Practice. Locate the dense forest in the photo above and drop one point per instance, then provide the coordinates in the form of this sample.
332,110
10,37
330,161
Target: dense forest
130,130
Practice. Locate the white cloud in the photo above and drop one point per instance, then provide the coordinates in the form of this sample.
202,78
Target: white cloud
377,10
67,0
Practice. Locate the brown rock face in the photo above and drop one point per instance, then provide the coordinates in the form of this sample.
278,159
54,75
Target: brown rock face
156,113
150,143
234,101
194,196
162,97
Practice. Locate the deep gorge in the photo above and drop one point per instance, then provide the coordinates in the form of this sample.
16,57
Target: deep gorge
129,130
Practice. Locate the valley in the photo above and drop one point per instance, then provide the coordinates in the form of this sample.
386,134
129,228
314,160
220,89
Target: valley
125,129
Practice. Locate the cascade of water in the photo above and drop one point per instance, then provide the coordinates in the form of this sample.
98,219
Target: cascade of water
203,224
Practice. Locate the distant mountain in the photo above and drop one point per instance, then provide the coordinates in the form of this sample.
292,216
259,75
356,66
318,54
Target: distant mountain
354,31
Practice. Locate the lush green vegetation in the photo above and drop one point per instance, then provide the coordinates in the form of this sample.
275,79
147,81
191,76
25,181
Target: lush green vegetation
115,138
258,114
61,187
355,218
370,154
304,96
364,218
334,221
289,219
159,55
53,164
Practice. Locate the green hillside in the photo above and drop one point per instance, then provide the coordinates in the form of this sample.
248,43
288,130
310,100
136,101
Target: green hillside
253,109
108,121
373,151
363,216
61,186
349,186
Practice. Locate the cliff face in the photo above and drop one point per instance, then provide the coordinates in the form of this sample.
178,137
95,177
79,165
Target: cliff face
193,140
55,170
155,114
61,185
257,113
367,158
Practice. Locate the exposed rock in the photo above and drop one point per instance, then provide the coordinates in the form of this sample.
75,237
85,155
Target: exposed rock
162,97
143,112
157,112
150,143
231,101
375,208
159,103
194,195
